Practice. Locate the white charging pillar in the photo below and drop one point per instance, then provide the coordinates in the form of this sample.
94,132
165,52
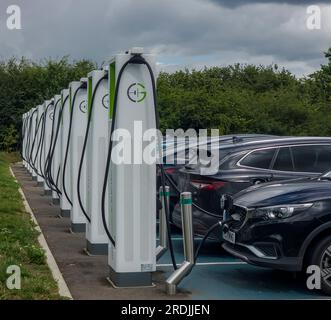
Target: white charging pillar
29,142
132,187
32,152
40,179
56,146
24,134
64,201
96,154
48,123
78,105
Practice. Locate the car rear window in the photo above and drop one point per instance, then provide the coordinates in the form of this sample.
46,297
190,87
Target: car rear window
259,159
312,158
283,161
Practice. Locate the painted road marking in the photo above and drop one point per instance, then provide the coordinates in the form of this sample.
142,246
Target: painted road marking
206,263
174,239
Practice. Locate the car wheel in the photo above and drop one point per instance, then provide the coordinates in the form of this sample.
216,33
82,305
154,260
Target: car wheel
321,256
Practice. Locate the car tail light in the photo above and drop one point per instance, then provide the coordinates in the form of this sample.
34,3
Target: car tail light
208,185
169,170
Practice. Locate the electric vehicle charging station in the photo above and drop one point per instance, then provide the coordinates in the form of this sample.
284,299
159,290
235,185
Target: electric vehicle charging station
127,231
36,139
28,142
132,187
63,136
94,160
24,137
33,118
78,122
48,122
55,157
32,151
39,137
30,136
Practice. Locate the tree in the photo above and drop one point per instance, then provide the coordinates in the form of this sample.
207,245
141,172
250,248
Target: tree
321,81
25,84
234,99
247,99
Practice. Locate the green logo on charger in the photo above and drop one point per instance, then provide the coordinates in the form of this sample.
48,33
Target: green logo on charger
83,106
105,101
137,92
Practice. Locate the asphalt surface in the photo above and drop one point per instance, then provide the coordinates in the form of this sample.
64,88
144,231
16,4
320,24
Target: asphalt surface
217,275
85,275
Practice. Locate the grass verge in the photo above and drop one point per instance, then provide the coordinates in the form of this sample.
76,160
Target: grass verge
19,245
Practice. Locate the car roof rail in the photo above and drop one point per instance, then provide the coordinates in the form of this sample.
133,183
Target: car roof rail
236,139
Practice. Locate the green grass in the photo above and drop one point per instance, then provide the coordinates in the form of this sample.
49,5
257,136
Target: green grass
18,243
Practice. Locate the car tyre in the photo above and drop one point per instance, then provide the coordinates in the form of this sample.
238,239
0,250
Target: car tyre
321,256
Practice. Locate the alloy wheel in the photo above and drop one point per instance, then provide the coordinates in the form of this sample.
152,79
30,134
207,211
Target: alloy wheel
326,266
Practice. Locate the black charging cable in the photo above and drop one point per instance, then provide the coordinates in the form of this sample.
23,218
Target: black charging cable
49,159
68,144
30,133
219,224
34,134
84,147
42,168
22,138
55,184
26,136
41,121
42,145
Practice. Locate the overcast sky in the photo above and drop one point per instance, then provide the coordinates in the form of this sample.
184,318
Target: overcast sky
184,33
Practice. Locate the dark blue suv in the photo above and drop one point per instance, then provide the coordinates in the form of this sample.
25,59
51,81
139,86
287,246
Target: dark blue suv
284,225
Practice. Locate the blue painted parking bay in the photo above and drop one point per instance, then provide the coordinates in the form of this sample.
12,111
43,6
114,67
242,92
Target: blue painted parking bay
218,275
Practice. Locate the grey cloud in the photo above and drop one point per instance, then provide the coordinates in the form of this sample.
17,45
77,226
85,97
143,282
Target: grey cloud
186,32
236,3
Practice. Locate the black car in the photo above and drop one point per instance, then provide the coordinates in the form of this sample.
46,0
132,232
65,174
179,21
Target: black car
177,153
249,162
285,225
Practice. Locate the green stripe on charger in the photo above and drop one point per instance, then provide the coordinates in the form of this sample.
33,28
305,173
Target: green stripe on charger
185,201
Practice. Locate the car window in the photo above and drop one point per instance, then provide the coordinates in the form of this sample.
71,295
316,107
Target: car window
259,159
312,158
283,161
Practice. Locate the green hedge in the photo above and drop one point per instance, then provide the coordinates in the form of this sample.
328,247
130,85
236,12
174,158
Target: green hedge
234,99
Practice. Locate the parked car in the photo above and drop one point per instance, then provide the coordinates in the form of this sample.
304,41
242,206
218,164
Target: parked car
178,151
284,225
246,163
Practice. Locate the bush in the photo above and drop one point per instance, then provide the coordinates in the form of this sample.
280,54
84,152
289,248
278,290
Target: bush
25,84
9,139
234,99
